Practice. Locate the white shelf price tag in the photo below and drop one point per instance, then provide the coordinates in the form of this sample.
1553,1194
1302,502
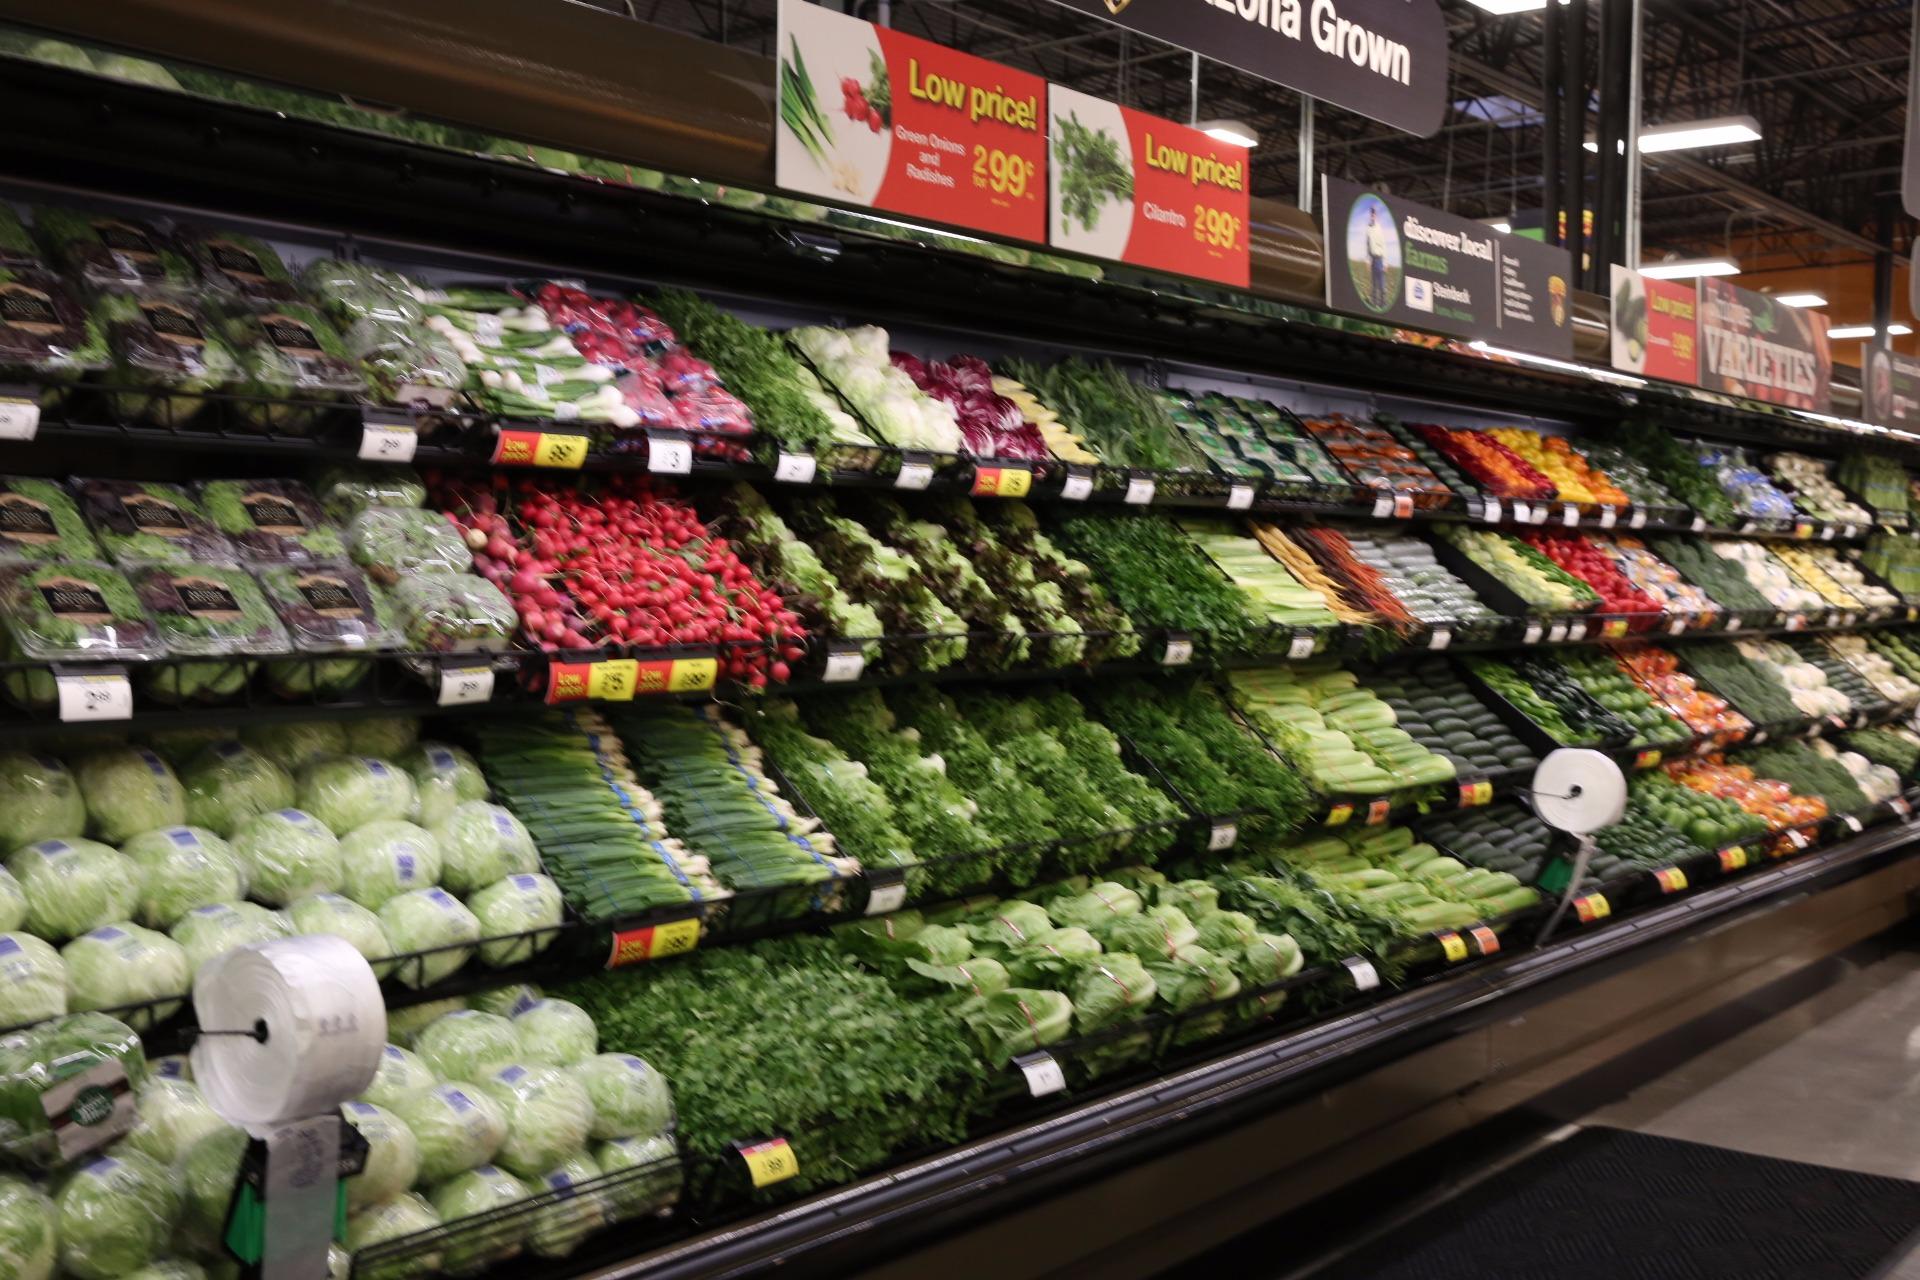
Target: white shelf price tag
916,472
1637,519
669,453
1365,976
1733,623
1848,530
1179,651
1239,497
1533,634
1576,632
1078,486
462,685
1557,633
1570,515
886,891
1677,626
1827,533
1440,638
845,662
1302,646
19,418
1541,513
387,437
1383,506
1608,517
94,695
1490,511
1139,490
1699,524
795,468
1852,823
1522,513
1222,836
1042,1072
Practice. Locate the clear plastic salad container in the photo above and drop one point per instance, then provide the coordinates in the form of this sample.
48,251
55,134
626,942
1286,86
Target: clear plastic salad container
407,363
68,610
272,521
393,542
237,265
39,520
287,351
209,611
109,251
454,613
347,491
326,608
166,355
46,336
354,291
146,522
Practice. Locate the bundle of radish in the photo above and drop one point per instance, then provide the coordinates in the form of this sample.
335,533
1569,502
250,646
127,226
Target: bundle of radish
626,565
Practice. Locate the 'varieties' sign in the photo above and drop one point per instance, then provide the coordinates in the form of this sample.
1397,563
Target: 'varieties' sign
1386,59
1134,187
1752,346
871,117
1656,327
1398,262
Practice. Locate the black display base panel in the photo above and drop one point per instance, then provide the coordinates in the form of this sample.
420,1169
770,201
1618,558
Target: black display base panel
1608,1203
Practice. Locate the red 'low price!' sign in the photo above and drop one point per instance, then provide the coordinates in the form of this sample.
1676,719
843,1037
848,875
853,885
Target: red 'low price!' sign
1139,189
871,117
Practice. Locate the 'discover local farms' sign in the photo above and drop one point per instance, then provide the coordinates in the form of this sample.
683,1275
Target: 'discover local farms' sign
1139,189
1386,59
1397,262
871,117
1890,389
1752,346
1656,327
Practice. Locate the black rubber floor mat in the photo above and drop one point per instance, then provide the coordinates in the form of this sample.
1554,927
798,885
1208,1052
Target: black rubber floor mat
1607,1204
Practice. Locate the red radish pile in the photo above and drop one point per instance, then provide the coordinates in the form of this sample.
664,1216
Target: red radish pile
628,565
1587,562
853,100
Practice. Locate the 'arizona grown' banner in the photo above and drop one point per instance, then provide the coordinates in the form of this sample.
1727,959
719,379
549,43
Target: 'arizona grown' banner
1752,346
1139,189
1656,327
871,117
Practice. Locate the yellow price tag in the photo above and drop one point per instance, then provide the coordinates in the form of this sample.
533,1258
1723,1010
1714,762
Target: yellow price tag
770,1162
1453,946
613,680
1646,759
691,675
1670,879
564,452
1339,814
1733,859
1613,628
653,942
1015,482
1591,907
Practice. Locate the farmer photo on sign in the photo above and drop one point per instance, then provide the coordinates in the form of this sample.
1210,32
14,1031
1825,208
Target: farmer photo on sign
1373,252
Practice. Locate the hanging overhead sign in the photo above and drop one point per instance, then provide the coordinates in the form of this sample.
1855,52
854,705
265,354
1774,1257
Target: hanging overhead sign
871,117
1656,327
1397,262
1752,346
1890,389
1139,189
1386,59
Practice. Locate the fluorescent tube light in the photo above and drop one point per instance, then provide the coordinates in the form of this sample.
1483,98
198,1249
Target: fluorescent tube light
1235,132
1847,331
1690,268
1501,225
1899,330
1512,6
1721,132
1800,299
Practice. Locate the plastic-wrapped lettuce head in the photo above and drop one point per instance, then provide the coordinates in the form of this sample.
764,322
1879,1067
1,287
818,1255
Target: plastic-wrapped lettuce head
1197,898
73,886
116,1215
508,1001
653,1184
29,1237
173,1116
468,1045
347,792
169,1269
177,746
478,1191
456,1125
123,964
481,844
1269,958
33,980
174,1066
576,1210
523,911
230,782
404,1215
556,1033
630,1099
385,737
1101,903
393,1157
294,746
207,1172
289,854
128,790
405,1023
432,921
32,1061
446,776
401,1073
549,1117
208,931
388,857
343,918
1112,988
1227,932
39,800
182,868
1157,931
13,901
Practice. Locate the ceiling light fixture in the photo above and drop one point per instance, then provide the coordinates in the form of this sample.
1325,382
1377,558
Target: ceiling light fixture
1848,331
1512,6
1899,330
1720,132
1234,132
1800,299
1501,225
1690,268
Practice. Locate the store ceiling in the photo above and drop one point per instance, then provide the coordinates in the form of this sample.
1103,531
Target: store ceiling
1826,78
